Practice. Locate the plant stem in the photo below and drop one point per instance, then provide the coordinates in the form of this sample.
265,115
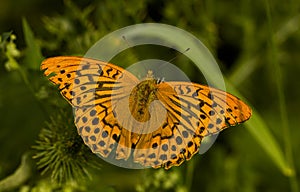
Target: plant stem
282,105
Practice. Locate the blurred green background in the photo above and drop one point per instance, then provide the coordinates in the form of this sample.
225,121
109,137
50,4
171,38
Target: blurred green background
256,44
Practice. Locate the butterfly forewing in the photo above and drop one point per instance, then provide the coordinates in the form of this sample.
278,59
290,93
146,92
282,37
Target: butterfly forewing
212,109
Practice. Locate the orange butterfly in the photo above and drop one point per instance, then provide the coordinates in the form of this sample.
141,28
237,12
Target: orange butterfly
155,123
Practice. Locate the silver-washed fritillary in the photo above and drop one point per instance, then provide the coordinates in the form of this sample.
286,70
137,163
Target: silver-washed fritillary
94,89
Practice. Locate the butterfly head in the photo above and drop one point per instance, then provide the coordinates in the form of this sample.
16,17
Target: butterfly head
150,75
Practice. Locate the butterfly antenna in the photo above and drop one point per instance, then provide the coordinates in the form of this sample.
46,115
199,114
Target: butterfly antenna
180,53
129,46
127,43
135,56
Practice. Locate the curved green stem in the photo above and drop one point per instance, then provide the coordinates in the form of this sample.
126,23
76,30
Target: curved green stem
282,104
19,177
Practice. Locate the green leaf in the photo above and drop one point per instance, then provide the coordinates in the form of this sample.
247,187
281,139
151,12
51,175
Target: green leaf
33,55
261,133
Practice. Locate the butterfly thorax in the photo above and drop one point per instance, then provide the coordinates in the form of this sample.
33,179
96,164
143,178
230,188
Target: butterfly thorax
141,97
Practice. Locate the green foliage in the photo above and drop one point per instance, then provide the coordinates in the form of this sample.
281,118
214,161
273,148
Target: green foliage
61,152
256,44
33,55
10,51
72,32
21,175
161,180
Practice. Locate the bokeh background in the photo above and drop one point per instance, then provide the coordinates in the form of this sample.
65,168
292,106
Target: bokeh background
255,43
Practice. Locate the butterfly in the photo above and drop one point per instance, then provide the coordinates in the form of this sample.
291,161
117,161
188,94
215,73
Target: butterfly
153,122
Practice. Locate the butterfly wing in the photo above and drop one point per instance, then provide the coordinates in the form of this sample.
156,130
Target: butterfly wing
212,109
91,86
193,112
